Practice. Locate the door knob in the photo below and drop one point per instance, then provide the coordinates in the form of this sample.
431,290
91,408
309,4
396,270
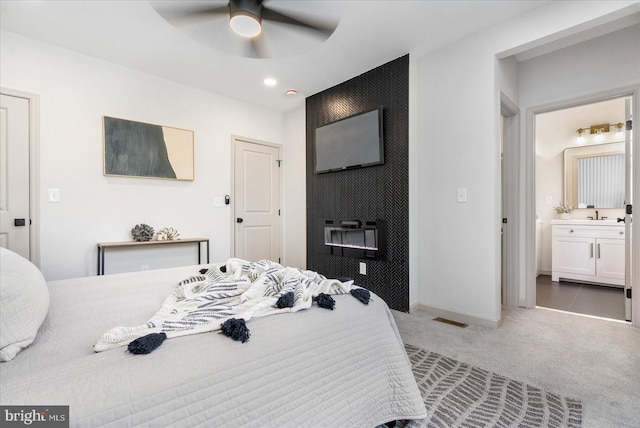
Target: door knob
19,222
239,220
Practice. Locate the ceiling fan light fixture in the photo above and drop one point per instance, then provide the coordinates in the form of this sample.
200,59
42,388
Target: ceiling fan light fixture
245,24
246,17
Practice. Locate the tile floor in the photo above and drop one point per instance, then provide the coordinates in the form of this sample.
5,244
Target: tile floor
598,300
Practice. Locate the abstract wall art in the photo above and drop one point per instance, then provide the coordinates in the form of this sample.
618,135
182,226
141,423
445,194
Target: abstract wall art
136,149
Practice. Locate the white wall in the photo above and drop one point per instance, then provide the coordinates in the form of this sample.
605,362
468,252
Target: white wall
603,63
459,105
459,241
75,92
295,189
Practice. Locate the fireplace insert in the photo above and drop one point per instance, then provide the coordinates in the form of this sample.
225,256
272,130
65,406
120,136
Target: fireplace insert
355,238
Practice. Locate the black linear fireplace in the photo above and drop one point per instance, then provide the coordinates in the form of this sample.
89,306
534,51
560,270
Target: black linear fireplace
355,238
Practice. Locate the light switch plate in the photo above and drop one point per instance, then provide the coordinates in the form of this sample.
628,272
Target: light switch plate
462,194
218,201
54,195
363,268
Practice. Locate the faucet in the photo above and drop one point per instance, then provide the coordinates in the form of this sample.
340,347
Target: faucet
596,214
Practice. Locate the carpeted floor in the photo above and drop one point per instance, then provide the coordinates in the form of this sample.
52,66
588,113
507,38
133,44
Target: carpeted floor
460,395
593,360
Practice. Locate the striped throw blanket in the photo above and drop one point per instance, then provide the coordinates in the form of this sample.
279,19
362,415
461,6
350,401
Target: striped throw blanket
201,303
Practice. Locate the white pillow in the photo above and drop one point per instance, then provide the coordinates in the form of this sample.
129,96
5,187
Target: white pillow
24,302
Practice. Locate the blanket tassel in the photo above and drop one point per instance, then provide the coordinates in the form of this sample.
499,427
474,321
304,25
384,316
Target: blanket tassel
146,344
235,329
361,294
286,300
325,301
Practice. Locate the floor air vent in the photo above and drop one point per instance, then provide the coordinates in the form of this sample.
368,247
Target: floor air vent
446,321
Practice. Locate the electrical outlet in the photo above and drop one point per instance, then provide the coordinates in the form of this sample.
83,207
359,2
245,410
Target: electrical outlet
549,200
363,268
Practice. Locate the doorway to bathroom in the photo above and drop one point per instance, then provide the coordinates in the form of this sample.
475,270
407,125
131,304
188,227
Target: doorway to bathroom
583,185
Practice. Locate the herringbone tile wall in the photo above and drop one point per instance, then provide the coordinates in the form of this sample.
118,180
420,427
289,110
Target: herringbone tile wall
377,192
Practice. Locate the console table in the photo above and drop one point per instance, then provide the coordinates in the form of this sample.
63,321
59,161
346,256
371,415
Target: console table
103,246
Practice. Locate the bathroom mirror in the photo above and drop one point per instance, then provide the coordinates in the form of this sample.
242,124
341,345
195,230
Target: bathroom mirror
594,176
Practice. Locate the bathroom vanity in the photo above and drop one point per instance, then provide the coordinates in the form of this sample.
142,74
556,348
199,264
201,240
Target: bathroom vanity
588,251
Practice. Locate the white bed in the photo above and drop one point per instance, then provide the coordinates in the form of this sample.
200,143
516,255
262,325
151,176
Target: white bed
344,368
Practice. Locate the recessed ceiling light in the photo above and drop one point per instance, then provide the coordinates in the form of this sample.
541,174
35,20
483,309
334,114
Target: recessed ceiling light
270,81
291,92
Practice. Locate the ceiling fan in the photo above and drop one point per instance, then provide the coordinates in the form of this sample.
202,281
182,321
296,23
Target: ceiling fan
245,19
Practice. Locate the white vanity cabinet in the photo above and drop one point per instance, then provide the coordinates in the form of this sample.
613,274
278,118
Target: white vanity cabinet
588,251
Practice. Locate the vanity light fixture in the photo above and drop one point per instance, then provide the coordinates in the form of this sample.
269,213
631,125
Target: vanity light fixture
599,137
599,130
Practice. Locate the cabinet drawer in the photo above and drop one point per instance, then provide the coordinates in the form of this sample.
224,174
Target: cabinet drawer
568,231
610,232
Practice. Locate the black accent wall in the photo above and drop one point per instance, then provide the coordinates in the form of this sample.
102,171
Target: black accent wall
371,193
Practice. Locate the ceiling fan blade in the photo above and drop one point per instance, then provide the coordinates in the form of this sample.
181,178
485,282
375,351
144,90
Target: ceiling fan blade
253,48
323,28
258,49
188,12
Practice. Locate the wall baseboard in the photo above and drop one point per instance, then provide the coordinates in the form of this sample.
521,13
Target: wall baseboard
456,316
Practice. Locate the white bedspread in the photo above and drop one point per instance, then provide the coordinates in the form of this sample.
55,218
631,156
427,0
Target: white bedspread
313,368
202,302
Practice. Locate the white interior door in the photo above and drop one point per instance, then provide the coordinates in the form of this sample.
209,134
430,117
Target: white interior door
14,175
257,201
627,218
512,294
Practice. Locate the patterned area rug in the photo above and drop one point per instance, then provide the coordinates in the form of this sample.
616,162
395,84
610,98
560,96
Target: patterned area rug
460,395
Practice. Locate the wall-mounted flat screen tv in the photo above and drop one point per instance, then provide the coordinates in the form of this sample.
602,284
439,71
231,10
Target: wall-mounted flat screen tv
352,142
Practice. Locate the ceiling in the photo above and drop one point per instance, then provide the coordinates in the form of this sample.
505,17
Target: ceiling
369,33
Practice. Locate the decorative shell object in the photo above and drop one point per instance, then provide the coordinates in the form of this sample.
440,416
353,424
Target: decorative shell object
142,232
169,233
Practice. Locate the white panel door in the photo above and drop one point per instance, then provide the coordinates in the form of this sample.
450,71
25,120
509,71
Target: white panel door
629,180
14,174
257,201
